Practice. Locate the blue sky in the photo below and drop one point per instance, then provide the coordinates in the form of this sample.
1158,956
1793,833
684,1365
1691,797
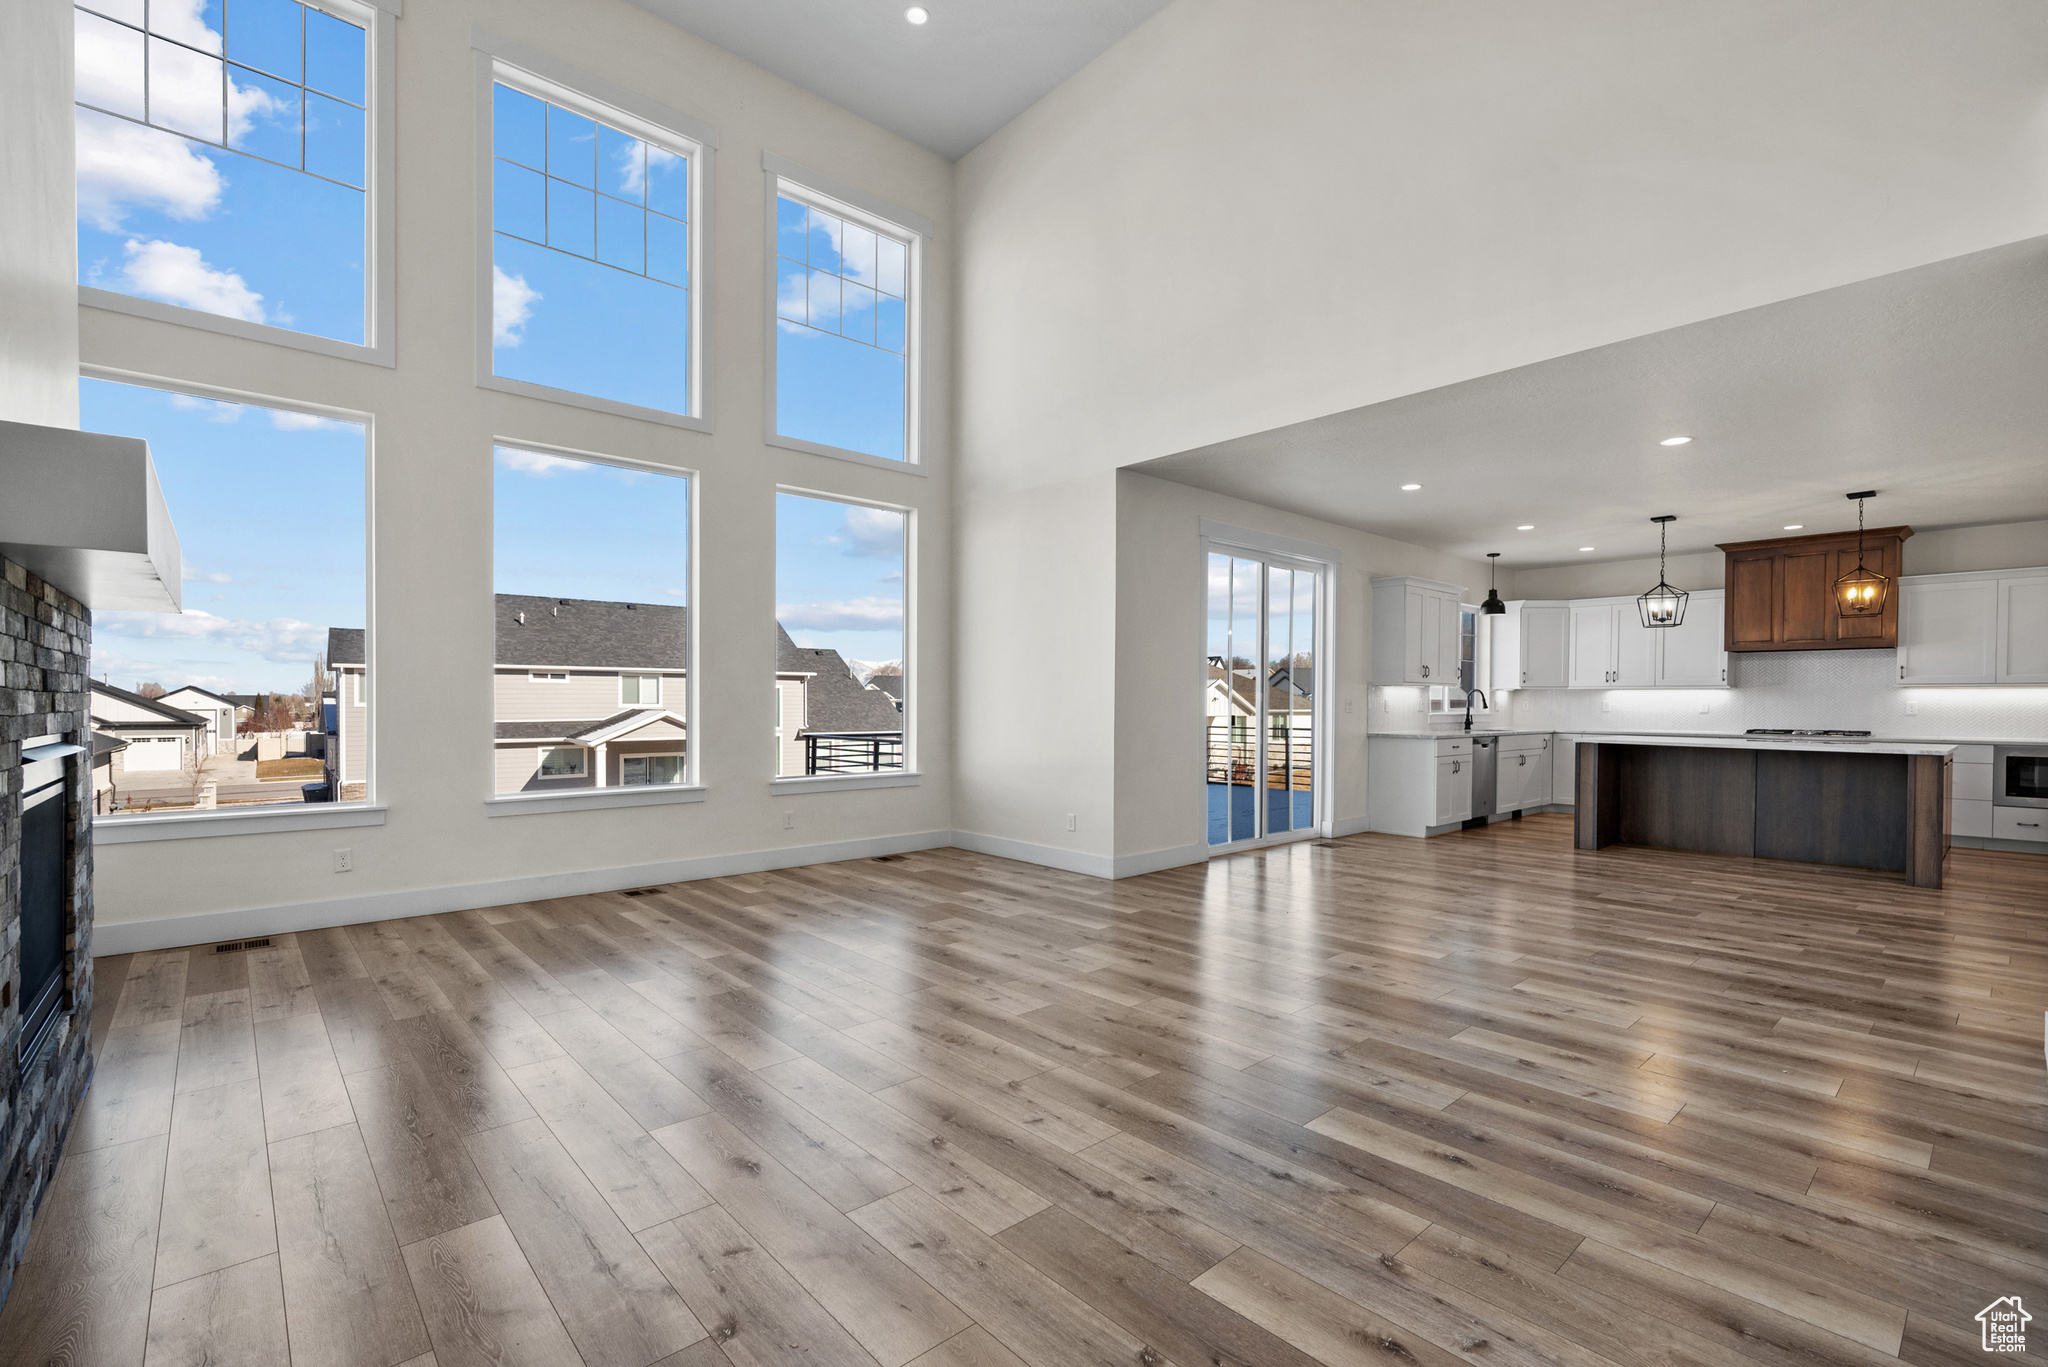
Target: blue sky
269,510
839,576
237,190
1234,610
578,529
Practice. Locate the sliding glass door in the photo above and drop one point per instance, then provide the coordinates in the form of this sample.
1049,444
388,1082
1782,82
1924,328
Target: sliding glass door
1264,779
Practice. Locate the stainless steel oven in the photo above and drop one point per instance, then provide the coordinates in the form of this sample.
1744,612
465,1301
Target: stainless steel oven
2019,776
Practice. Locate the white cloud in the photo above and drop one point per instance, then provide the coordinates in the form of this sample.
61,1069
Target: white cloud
512,301
852,614
875,532
216,410
124,166
536,463
281,639
178,275
286,420
192,571
183,21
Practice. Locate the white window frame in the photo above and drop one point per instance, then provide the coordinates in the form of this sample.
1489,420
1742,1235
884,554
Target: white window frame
502,61
644,679
311,816
909,776
379,20
785,177
540,761
543,676
691,789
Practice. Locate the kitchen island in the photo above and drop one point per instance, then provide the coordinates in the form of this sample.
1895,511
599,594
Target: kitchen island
1872,805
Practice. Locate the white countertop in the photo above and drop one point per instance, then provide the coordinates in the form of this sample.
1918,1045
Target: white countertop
1853,747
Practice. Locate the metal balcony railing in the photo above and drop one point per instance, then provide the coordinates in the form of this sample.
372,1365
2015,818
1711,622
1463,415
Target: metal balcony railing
828,753
1290,753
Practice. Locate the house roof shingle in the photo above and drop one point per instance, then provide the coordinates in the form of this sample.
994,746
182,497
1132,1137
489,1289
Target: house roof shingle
171,716
834,700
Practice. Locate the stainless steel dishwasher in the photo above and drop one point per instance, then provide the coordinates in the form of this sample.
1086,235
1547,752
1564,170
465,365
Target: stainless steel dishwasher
1485,779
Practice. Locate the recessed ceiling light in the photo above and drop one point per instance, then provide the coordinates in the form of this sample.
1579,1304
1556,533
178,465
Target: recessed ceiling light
1794,526
1410,488
1530,528
1674,441
917,14
1584,549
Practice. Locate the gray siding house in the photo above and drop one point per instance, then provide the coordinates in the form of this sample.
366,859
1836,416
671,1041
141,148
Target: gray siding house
591,694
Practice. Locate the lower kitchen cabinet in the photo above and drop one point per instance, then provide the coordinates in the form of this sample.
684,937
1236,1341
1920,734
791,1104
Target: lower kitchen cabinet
1423,785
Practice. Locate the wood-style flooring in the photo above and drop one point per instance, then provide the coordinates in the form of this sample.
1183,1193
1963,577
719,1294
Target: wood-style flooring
1477,1099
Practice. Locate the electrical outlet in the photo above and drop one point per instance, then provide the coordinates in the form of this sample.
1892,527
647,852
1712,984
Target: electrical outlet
344,861
1912,707
789,821
1706,705
1347,706
1607,704
1072,823
1386,705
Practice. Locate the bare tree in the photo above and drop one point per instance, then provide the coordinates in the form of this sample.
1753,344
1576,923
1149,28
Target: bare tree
151,689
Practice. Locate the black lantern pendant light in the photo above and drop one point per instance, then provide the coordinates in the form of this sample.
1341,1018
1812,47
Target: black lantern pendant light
1662,606
1492,607
1860,592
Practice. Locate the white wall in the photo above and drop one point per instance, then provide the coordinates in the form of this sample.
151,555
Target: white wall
1161,586
1246,215
431,506
38,242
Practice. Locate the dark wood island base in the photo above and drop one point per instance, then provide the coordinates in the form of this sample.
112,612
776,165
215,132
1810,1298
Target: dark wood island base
1865,807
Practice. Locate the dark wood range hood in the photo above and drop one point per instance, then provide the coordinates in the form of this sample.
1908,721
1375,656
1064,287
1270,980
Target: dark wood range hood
1781,593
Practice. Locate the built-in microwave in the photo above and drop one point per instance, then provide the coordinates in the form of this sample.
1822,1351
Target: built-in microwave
2019,776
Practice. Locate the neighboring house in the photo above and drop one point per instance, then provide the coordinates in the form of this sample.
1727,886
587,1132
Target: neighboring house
826,722
217,710
106,754
348,749
161,738
247,705
589,694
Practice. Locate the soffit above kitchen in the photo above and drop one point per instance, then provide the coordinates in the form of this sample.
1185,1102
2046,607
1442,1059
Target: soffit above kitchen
1926,385
945,84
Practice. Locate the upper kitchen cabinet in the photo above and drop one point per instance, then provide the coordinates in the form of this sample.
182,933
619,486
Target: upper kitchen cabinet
1693,654
1532,646
1781,593
1415,631
1983,628
1610,647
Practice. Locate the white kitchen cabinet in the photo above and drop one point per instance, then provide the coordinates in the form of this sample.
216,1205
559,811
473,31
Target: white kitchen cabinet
1415,631
1693,654
1969,817
1592,645
1988,627
1418,785
1453,789
2023,630
1532,646
2019,823
1948,631
1564,770
1522,773
1636,647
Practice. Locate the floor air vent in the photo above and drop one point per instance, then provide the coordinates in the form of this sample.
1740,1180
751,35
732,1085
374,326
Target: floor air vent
237,946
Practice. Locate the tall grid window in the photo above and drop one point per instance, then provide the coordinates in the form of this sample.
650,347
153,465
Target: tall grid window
841,661
222,149
590,255
843,334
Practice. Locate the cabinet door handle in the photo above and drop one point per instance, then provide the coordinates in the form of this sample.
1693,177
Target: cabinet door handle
1902,671
1454,766
2034,825
1425,671
1524,759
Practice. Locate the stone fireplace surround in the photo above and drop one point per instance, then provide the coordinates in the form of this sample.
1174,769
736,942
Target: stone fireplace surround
45,644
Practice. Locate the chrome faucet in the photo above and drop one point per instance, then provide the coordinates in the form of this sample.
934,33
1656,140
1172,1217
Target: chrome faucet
1480,693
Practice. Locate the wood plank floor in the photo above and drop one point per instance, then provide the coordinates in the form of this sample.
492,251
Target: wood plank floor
1477,1099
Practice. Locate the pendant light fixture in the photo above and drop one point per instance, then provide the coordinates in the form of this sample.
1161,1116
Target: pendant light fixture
1861,592
1662,606
1492,607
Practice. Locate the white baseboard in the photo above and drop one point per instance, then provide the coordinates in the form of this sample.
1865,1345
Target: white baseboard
1356,825
170,932
1985,842
1051,856
1152,861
